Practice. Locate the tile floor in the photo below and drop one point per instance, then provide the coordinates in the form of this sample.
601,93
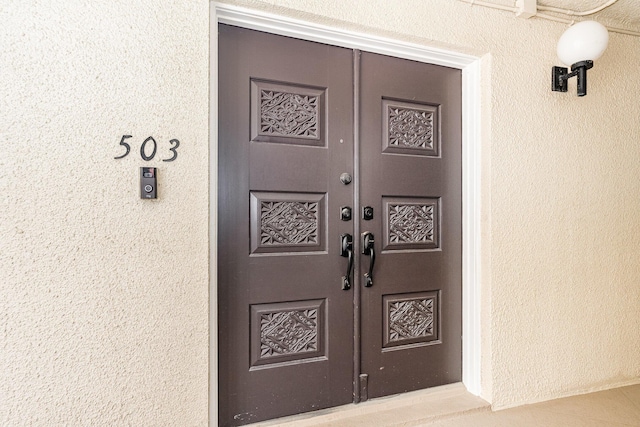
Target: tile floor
453,406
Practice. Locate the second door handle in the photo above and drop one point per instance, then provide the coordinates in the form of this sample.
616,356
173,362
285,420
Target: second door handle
368,249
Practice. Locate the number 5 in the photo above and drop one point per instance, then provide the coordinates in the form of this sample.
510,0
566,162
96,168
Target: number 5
125,145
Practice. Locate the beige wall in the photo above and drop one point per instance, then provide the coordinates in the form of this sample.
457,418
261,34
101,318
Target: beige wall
104,297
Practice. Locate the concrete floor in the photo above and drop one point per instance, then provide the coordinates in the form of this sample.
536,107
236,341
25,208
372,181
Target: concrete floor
612,408
453,406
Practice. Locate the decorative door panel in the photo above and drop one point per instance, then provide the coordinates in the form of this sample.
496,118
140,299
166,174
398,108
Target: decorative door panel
287,333
410,320
287,113
410,223
282,223
410,128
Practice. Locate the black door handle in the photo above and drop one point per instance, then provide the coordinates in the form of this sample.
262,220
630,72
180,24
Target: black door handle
346,250
368,249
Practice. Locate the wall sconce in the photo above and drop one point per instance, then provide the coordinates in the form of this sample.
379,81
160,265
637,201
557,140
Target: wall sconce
579,46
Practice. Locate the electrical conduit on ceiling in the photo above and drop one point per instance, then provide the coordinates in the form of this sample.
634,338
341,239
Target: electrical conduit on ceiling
576,13
557,10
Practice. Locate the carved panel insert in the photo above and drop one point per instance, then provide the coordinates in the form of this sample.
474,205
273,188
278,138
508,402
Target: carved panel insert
410,318
287,113
410,128
411,223
287,222
286,332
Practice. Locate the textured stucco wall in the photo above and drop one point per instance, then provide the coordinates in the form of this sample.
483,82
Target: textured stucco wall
103,296
561,215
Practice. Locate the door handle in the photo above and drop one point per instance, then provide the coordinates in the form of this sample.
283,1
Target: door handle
346,250
368,249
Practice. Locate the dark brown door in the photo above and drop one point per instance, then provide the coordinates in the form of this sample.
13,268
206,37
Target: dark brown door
410,171
285,136
288,342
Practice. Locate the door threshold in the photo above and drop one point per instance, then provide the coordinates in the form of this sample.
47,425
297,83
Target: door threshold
407,409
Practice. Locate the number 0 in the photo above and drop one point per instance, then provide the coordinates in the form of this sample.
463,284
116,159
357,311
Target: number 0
142,149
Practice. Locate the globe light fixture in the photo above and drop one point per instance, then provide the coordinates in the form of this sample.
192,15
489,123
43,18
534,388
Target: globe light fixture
578,47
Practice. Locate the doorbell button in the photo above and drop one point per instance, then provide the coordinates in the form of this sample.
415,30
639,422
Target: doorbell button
148,184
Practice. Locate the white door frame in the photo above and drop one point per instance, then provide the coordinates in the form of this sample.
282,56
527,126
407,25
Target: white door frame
470,66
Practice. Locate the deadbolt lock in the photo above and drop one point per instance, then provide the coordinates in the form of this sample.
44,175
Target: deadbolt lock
367,213
345,213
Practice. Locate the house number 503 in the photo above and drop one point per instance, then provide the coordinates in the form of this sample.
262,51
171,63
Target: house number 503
150,146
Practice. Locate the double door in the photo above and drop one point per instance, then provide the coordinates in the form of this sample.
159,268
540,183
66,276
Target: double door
339,224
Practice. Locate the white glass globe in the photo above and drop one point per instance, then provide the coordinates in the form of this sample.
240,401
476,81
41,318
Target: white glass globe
583,41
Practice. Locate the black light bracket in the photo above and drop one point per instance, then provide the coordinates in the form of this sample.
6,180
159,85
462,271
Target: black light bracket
560,77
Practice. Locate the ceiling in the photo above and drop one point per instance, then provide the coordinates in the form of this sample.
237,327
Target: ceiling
622,14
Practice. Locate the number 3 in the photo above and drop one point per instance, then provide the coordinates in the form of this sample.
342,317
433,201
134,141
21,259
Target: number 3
173,150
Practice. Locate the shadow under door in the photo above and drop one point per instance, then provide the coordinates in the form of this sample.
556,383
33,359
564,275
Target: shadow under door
339,216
